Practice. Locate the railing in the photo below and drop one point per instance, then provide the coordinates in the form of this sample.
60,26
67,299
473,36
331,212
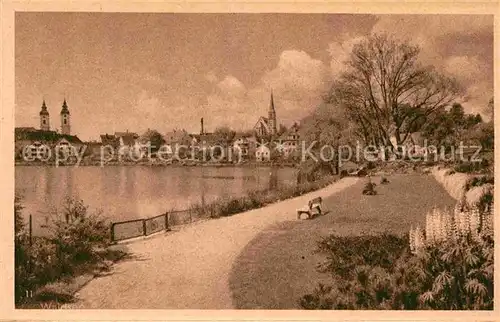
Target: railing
139,227
143,227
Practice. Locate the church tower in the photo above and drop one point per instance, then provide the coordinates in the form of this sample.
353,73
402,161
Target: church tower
65,125
272,116
44,118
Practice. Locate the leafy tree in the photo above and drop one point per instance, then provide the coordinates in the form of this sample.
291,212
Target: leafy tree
328,125
383,77
484,134
448,128
224,135
154,138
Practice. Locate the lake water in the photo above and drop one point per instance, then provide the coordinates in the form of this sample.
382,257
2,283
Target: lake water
131,192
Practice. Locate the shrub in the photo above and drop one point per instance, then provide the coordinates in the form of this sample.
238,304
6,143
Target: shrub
472,167
370,165
346,253
447,266
479,181
383,180
254,199
21,256
452,275
311,171
449,172
369,188
78,235
77,241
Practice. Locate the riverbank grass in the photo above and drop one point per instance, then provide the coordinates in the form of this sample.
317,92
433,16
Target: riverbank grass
223,207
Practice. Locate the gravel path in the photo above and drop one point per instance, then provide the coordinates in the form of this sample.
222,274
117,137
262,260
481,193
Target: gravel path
189,268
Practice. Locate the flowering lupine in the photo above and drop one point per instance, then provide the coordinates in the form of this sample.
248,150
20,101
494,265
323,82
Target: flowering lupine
443,226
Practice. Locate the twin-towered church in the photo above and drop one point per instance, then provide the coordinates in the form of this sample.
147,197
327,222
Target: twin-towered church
29,142
65,119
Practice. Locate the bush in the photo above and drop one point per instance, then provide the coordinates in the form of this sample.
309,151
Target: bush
449,172
79,235
383,180
479,181
369,188
223,207
77,241
449,267
311,171
370,165
21,256
381,273
346,253
472,167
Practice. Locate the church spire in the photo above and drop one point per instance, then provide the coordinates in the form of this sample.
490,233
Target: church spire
272,115
64,109
271,104
44,109
65,121
44,118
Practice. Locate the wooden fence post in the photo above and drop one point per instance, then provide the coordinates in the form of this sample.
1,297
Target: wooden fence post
112,232
31,231
144,227
166,221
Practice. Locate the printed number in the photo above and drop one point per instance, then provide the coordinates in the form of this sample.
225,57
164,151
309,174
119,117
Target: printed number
29,294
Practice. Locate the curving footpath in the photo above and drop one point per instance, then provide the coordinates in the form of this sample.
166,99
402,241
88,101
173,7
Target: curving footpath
189,268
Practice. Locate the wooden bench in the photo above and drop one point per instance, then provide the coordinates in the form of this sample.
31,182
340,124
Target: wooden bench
315,203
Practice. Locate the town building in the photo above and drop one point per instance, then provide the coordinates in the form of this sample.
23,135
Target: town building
122,144
241,146
94,150
262,153
289,141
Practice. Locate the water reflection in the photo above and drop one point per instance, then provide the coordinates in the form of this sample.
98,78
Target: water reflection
136,192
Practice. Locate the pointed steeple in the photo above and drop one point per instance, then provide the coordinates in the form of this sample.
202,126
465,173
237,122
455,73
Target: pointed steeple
44,109
272,116
44,118
64,109
65,119
271,103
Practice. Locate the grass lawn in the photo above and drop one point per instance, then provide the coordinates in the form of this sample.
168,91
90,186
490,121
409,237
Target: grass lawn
279,265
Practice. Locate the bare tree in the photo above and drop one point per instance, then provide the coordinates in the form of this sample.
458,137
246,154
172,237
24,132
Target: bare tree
383,86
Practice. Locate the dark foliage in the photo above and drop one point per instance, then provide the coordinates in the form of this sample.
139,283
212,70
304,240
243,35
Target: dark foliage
78,240
369,188
380,272
472,167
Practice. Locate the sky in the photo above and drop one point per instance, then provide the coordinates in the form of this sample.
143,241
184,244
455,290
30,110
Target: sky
139,71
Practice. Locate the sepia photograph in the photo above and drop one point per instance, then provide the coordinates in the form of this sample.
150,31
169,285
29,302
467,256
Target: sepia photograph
253,161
